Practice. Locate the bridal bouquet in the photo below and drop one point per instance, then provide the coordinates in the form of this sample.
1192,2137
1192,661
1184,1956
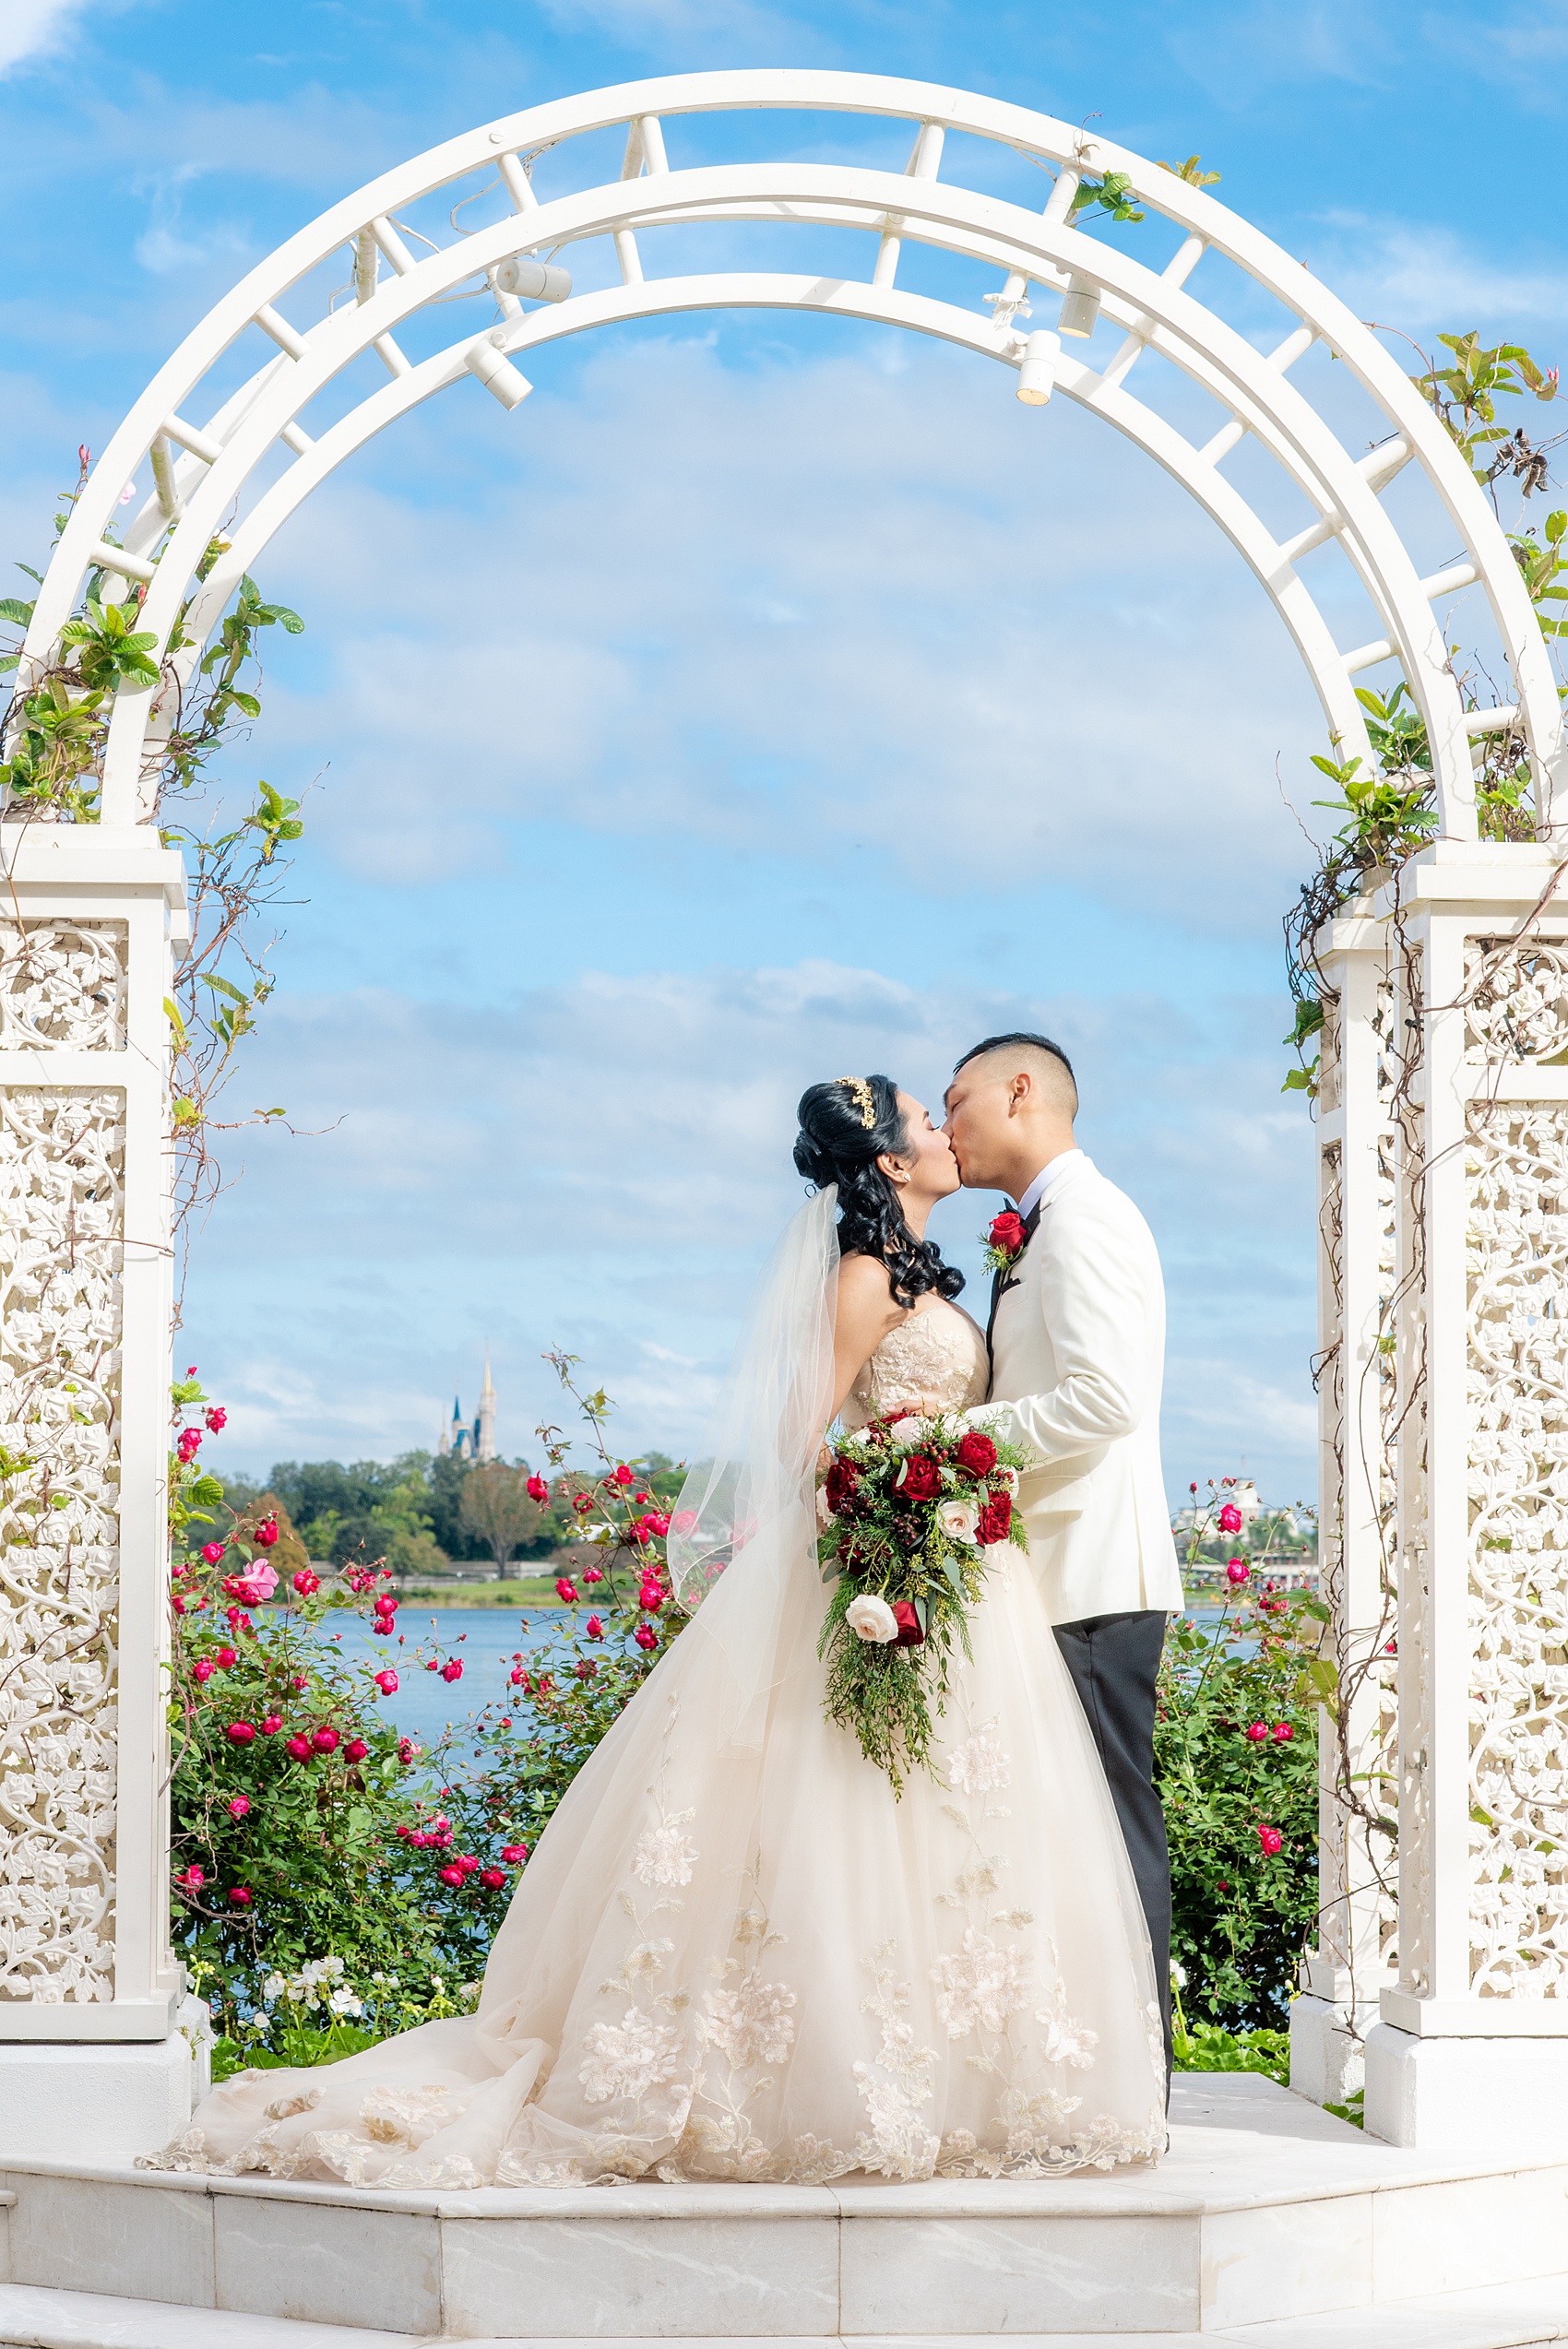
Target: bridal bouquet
910,1510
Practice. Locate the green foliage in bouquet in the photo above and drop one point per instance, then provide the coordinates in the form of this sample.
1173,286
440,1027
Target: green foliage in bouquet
913,1506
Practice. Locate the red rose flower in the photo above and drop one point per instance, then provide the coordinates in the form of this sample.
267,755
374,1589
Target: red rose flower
1229,1519
453,1671
1006,1231
645,1636
995,1519
921,1478
387,1683
241,1896
977,1453
217,1418
212,1551
593,1629
565,1589
325,1740
271,1725
625,1476
538,1489
355,1751
513,1854
406,1749
1282,1733
1271,1839
240,1733
226,1659
238,1805
493,1879
909,1622
265,1533
305,1582
840,1483
299,1747
453,1876
203,1669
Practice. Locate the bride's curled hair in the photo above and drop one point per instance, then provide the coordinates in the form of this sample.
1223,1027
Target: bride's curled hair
834,1144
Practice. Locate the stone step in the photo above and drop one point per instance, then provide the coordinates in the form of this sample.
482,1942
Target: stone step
1527,2316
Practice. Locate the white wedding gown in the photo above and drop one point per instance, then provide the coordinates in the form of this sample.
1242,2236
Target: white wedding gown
760,1965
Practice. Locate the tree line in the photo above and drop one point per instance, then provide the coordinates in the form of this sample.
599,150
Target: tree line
424,1512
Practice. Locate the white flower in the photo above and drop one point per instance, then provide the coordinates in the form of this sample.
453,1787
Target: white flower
274,1987
627,2058
958,1521
1178,1974
664,1855
1067,2041
978,1765
343,2002
872,1618
749,2024
983,1986
824,1516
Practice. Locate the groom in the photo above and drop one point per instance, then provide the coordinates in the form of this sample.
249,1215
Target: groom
1076,1339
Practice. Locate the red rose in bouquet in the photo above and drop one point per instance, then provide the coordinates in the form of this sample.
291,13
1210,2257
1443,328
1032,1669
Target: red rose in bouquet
977,1453
995,1520
840,1485
909,1622
920,1480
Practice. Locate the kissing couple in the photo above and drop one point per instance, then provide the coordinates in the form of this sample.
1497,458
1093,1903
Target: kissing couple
735,1953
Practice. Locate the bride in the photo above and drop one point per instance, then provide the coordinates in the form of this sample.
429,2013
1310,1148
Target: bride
735,1953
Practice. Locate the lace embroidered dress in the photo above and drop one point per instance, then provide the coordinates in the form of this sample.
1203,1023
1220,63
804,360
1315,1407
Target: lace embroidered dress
761,1966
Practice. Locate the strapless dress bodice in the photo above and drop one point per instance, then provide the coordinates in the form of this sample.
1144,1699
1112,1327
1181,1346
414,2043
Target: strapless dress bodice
937,1359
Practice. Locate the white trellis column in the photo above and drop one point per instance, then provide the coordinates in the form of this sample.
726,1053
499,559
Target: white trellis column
1351,1964
90,2057
1472,2047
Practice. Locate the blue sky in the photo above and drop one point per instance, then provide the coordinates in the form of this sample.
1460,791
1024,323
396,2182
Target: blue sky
766,699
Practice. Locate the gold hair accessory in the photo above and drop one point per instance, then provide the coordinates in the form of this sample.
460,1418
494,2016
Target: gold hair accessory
863,1101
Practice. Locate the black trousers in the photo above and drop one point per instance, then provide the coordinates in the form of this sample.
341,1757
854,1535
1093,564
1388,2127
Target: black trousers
1114,1660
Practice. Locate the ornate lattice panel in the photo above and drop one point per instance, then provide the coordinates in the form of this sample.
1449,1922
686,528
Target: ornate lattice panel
1517,1173
62,983
1408,1450
1516,999
62,1168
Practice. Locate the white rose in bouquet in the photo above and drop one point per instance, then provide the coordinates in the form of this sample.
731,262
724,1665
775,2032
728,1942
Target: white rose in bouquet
824,1516
872,1618
958,1521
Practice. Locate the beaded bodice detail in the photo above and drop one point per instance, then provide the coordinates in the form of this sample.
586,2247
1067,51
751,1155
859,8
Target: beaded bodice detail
937,1357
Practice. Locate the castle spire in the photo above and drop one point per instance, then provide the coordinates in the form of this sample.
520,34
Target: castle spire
486,1448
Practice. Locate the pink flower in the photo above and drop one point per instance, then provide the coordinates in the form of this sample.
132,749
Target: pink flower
387,1683
518,1677
226,1659
585,1667
1282,1733
418,1837
653,1528
453,1876
406,1749
1257,1732
1271,1839
178,1604
453,1668
594,1628
239,1805
217,1418
301,1680
265,1533
240,1733
538,1489
468,1863
386,1604
645,1635
189,1443
513,1854
1237,1571
491,1879
193,1879
299,1747
565,1589
650,1597
241,1896
213,1552
203,1669
325,1740
382,1625
1229,1519
592,1575
258,1583
355,1751
305,1582
271,1726
625,1476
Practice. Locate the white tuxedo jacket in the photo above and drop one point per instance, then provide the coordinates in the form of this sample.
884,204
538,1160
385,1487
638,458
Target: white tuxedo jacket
1079,1355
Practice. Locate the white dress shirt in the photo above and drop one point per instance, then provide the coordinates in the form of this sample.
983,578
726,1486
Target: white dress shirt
1047,1180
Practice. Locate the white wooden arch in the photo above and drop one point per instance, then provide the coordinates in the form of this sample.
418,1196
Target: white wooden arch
201,470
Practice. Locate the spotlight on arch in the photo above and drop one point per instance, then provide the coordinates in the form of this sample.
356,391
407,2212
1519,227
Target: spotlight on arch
1080,308
1037,376
531,280
498,375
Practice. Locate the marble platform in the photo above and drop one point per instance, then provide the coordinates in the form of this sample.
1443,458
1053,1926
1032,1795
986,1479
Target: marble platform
1265,2212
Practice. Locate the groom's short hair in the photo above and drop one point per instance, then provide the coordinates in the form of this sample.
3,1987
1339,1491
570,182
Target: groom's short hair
1053,1068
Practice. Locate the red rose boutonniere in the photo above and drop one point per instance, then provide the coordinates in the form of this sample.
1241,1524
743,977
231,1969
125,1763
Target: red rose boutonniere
1004,1242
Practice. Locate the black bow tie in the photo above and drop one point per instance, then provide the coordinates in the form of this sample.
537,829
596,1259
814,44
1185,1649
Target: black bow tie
1006,1276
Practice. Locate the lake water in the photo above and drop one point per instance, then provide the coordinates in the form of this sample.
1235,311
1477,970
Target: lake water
484,1637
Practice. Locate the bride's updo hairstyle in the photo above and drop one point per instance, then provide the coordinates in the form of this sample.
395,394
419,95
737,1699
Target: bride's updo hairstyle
845,1128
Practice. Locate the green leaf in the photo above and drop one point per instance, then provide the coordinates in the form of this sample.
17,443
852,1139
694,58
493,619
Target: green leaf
18,614
225,986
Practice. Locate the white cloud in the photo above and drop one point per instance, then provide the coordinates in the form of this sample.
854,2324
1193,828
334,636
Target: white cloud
34,28
1427,279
